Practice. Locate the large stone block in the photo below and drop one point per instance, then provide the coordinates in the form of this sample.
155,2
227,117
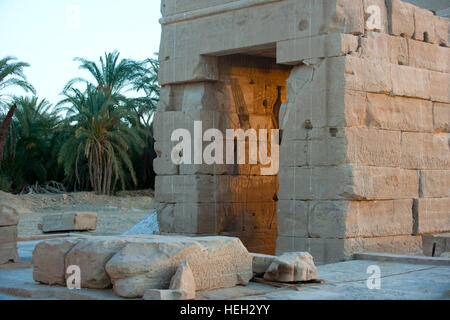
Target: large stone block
399,113
70,221
425,151
383,27
292,267
440,86
383,47
428,56
8,244
216,262
401,18
8,215
49,260
294,51
91,255
368,75
220,188
353,219
441,117
424,25
441,30
347,183
431,215
410,82
434,184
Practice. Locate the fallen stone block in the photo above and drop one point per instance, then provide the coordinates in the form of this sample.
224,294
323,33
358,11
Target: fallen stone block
261,263
216,262
49,260
292,267
182,286
76,221
8,215
91,255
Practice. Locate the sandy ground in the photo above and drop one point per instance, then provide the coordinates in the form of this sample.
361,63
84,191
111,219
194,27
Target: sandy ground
116,214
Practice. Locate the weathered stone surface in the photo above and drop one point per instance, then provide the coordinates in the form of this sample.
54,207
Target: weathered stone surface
401,18
425,151
383,15
292,218
182,286
292,267
8,252
410,82
431,215
355,183
261,262
368,75
424,25
445,255
383,47
8,215
216,262
399,113
441,30
76,221
440,86
49,260
91,255
441,117
428,56
296,50
353,219
8,244
434,184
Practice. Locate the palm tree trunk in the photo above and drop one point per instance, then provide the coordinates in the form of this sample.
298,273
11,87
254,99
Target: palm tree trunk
4,130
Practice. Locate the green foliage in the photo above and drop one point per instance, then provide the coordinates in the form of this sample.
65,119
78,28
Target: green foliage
11,75
97,138
29,148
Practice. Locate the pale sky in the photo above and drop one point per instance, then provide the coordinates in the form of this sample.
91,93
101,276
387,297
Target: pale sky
48,34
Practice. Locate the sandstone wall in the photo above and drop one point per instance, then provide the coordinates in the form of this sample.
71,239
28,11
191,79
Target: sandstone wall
364,160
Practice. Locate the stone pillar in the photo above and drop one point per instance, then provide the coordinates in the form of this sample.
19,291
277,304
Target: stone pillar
8,234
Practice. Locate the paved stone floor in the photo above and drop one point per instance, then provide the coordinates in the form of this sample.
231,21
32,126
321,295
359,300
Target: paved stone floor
344,280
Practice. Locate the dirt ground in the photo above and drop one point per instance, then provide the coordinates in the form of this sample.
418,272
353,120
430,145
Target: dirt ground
116,214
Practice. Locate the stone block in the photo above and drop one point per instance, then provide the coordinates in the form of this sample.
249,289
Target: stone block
355,219
383,47
49,260
441,117
428,56
347,183
70,221
440,87
261,262
425,151
434,184
411,82
401,18
292,218
440,243
399,113
431,215
8,215
424,29
292,267
216,262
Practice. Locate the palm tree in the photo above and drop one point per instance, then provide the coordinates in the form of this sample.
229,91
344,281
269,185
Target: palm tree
11,75
103,135
111,76
146,81
28,156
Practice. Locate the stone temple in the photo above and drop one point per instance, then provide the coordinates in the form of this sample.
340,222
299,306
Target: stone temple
360,92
